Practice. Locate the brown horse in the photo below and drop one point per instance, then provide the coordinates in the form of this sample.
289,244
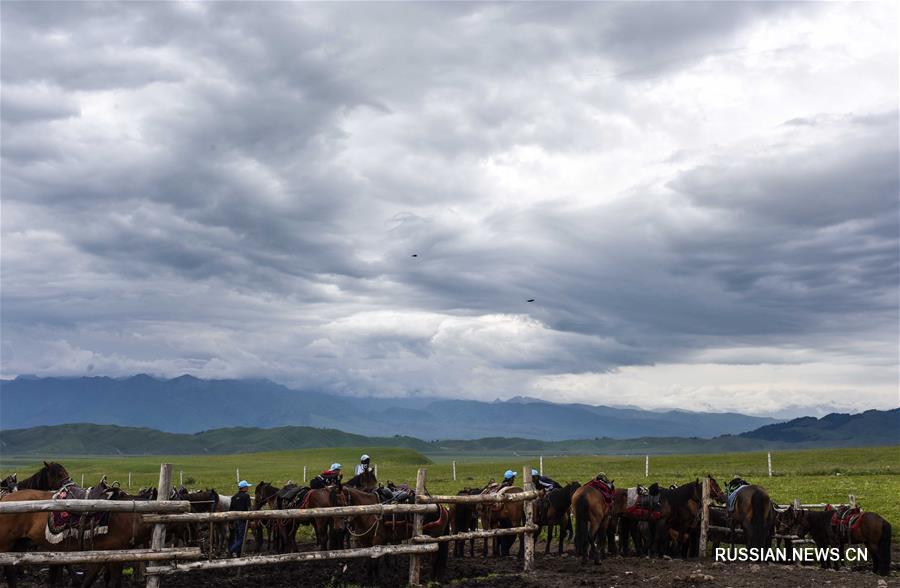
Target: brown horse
592,515
872,530
465,519
815,523
679,522
264,499
371,530
553,509
125,531
329,531
754,513
504,515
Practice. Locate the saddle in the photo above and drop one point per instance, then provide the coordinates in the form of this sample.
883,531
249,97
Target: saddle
844,519
80,525
288,494
496,489
606,490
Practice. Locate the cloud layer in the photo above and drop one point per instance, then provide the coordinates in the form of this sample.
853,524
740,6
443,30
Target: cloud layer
702,198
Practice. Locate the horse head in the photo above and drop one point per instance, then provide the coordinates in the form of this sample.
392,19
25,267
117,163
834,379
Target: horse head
55,475
715,491
9,483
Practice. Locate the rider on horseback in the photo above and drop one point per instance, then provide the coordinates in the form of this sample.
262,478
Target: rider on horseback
330,477
363,464
543,482
509,478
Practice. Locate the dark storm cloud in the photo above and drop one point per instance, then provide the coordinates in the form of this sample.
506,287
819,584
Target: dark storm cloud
238,189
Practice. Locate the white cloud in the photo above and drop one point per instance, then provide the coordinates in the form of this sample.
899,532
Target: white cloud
701,198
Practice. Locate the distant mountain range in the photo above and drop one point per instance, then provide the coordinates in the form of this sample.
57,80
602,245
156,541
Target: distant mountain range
187,404
835,430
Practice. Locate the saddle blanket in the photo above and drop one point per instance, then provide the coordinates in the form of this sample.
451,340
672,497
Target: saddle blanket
605,490
644,514
62,525
729,502
631,498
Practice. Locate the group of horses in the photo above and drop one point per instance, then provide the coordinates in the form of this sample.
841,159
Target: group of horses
606,520
668,523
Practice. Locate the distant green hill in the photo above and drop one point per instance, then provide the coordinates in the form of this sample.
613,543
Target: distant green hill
873,427
89,439
867,429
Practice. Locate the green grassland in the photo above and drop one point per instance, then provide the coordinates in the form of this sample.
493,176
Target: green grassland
818,475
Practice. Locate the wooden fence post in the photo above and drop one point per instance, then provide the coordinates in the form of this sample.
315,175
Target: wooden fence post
770,464
237,475
852,501
528,537
646,466
796,504
415,560
375,468
704,516
304,473
540,469
158,541
82,480
129,479
454,471
181,477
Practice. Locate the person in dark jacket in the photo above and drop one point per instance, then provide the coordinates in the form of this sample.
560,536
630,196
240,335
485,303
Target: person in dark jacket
543,482
239,502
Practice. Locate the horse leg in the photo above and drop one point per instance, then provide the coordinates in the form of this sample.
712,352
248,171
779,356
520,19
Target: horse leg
10,573
90,575
562,535
549,538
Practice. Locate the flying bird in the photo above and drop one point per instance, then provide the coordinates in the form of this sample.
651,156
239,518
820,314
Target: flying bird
530,300
415,255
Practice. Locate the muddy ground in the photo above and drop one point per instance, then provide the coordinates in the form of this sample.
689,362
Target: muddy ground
550,572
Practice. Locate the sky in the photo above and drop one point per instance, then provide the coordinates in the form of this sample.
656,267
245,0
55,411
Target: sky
700,198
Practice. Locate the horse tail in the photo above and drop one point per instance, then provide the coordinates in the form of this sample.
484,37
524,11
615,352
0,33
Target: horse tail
758,519
582,522
883,554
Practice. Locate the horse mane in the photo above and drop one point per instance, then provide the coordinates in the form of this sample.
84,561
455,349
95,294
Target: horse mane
40,479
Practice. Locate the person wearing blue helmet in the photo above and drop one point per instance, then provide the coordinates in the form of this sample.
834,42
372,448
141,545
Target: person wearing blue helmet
509,478
239,502
543,482
330,477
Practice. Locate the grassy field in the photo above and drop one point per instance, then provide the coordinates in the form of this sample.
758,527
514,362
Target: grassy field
821,475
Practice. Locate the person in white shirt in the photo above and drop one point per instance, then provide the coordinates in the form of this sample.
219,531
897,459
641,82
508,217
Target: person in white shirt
363,464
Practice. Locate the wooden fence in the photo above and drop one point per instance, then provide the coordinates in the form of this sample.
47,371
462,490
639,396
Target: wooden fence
705,525
11,507
171,560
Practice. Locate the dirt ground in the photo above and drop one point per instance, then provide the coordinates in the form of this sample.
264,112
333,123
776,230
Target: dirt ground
550,572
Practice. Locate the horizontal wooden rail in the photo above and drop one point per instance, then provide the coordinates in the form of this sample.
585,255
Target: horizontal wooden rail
478,498
20,506
475,534
81,557
259,560
294,513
